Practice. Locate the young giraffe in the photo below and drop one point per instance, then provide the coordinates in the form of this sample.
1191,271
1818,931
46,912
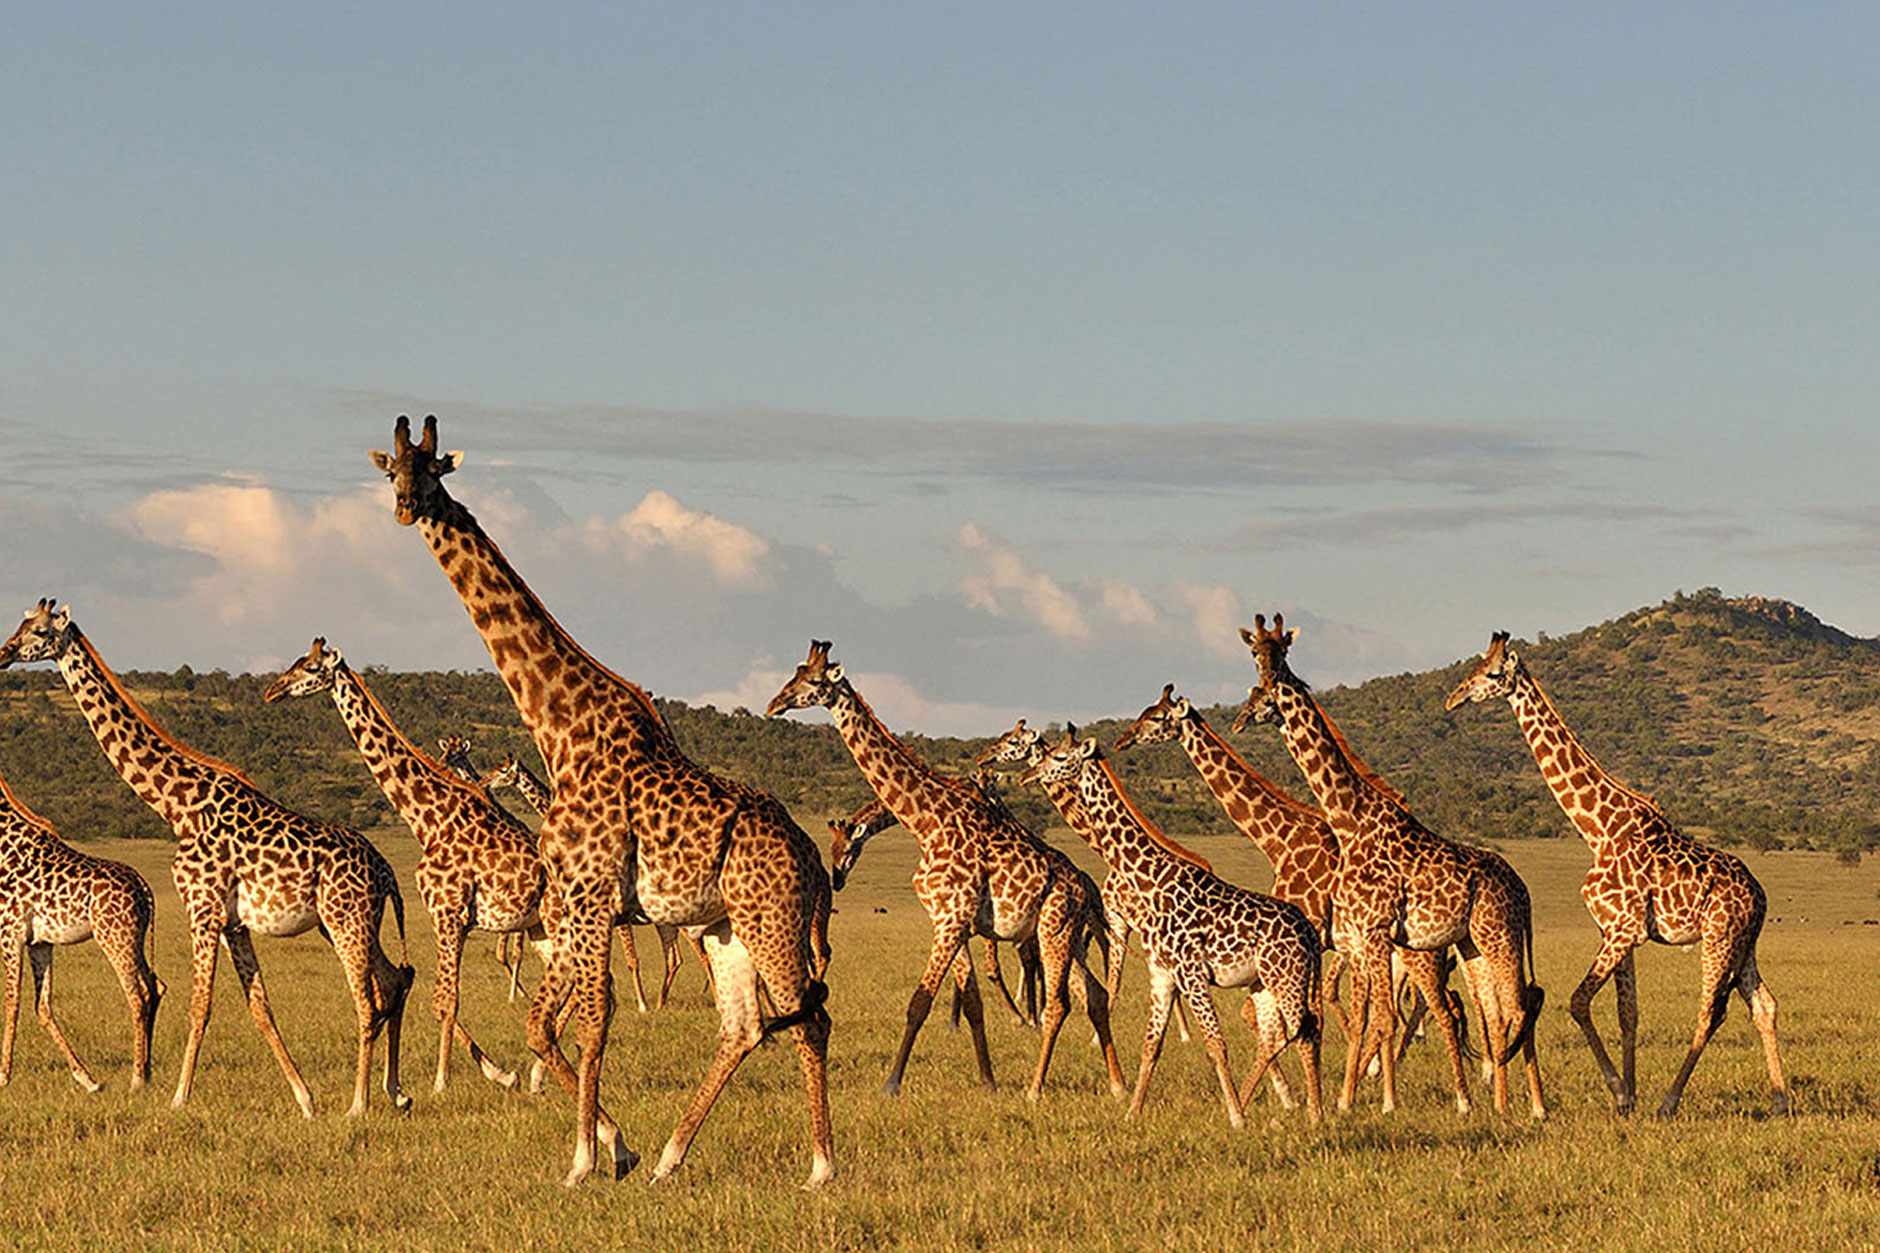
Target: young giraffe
50,893
479,869
1647,882
1295,837
1022,748
848,836
1400,883
1200,931
454,751
634,820
980,871
511,773
243,864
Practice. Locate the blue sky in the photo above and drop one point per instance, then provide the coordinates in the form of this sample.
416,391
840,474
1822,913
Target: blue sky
1020,349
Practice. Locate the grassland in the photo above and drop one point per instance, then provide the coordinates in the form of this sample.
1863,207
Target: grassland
946,1165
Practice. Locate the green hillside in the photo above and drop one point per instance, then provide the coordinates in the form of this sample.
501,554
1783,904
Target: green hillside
1749,719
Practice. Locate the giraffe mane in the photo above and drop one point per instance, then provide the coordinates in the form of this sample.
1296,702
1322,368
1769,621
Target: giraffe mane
1364,772
1649,801
435,766
19,807
183,750
1148,827
1272,789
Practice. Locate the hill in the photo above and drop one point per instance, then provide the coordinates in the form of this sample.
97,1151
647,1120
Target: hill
1749,719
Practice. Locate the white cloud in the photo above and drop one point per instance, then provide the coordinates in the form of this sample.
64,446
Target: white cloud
1216,616
1005,585
733,554
1126,604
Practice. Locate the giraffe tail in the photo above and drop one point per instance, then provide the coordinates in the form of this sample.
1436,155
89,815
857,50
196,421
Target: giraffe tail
1533,997
815,993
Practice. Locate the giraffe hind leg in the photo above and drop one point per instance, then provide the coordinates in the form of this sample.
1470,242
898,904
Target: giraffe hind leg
123,945
1762,1007
40,955
241,950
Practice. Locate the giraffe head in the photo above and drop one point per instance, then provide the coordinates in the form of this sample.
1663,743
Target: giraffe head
505,774
1018,747
309,676
1064,761
416,470
847,837
814,682
1159,723
42,635
1492,677
454,751
1269,655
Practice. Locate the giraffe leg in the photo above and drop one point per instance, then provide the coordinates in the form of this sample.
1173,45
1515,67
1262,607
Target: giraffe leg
1161,995
973,1008
948,935
672,957
205,947
1194,989
123,947
40,956
698,951
1260,1011
509,957
631,952
1723,957
1625,989
546,1016
1494,1000
586,944
989,966
1330,976
15,942
1097,1004
1357,1025
1427,972
1612,951
241,951
1762,1008
448,927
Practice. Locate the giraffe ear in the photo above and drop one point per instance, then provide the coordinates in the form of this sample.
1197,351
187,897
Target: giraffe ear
448,463
1087,749
62,617
1248,638
1292,636
1183,708
383,460
331,658
834,674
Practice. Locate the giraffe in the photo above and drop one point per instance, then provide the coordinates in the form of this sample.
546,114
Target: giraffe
243,864
511,773
980,872
848,836
50,893
1023,747
1295,837
1400,883
1647,882
1199,930
479,868
634,821
454,751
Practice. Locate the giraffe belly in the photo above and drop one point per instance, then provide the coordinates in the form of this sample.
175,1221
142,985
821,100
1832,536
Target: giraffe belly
53,929
274,913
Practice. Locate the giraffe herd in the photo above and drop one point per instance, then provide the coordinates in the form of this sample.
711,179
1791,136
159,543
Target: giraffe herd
634,832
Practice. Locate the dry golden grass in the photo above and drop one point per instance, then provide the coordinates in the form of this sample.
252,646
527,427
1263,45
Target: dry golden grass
945,1165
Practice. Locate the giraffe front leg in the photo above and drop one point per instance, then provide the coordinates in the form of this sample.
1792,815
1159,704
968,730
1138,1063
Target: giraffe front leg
241,951
588,944
632,953
1612,951
1161,997
671,955
740,1030
948,934
1193,988
41,957
15,943
1625,990
205,949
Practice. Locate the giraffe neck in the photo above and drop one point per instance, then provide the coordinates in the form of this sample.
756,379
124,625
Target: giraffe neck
533,790
1121,834
19,826
1275,821
1599,806
411,781
904,783
172,779
539,661
1346,794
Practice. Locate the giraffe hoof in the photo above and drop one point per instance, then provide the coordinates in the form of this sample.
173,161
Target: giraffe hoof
625,1159
401,1102
891,1087
86,1082
1779,1104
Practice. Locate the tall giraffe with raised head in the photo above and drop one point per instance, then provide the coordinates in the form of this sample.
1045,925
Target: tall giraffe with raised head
1647,882
980,872
848,836
244,864
1023,747
1200,931
635,823
479,869
1398,882
50,893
